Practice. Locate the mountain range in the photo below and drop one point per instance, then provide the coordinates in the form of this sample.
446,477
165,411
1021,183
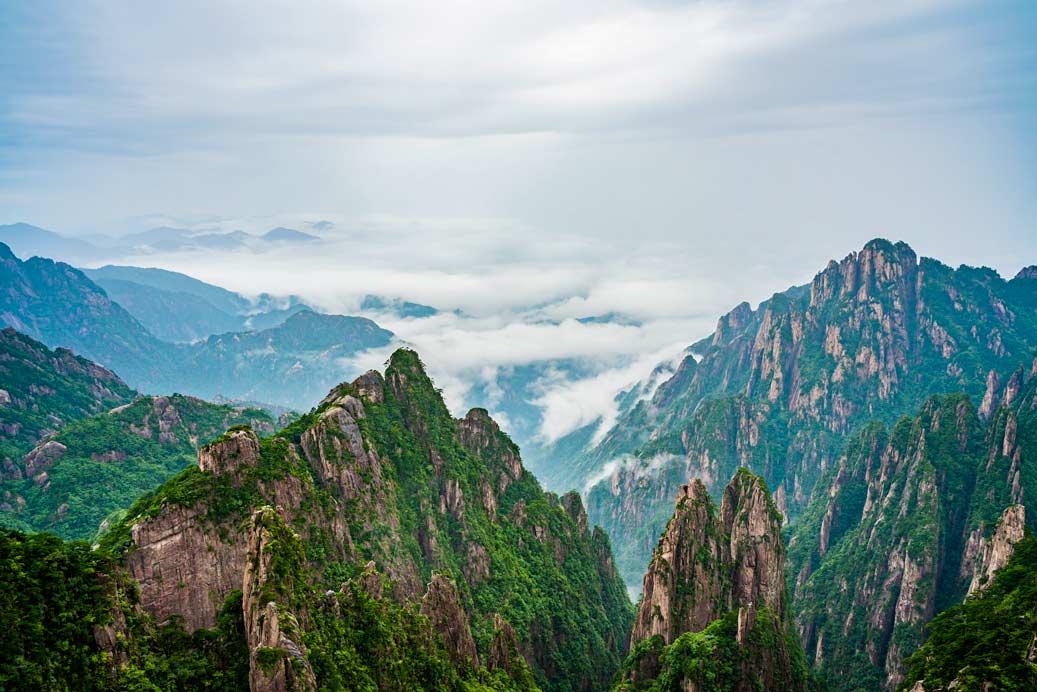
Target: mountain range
830,492
28,240
291,363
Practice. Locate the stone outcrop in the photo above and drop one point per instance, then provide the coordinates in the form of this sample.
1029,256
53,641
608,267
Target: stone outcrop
184,558
236,450
994,553
40,459
273,631
442,606
712,564
708,564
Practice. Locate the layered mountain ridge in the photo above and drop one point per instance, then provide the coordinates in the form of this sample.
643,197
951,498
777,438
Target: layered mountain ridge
290,364
914,518
778,389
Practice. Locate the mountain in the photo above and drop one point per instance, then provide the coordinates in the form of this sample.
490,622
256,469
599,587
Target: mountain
377,543
44,390
778,389
987,642
914,518
174,317
715,612
179,308
57,304
221,299
290,364
288,235
99,464
293,363
400,308
28,241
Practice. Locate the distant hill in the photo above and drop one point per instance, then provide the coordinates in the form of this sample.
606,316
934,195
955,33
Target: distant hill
288,235
27,240
296,361
289,364
42,390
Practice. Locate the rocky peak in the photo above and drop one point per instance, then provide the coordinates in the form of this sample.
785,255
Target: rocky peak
756,549
725,572
732,323
572,503
995,552
991,397
269,595
1027,273
237,448
442,606
707,564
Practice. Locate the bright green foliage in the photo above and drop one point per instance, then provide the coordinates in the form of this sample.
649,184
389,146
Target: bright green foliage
53,594
576,617
359,643
111,458
713,659
987,642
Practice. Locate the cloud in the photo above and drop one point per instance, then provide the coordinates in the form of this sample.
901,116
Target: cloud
569,404
644,468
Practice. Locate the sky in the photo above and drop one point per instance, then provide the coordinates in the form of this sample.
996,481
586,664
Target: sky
531,162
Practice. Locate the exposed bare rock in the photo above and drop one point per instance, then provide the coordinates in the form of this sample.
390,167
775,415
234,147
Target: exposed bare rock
43,457
183,567
277,655
481,435
992,396
709,565
442,606
504,651
236,449
706,565
995,552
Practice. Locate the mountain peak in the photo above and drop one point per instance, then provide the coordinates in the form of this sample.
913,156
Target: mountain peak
289,234
1027,273
5,252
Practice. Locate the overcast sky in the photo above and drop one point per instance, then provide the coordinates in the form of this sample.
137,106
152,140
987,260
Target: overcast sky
660,158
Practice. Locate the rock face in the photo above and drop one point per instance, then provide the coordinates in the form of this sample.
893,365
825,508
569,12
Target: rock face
442,607
778,389
274,560
183,559
995,553
906,523
380,474
709,565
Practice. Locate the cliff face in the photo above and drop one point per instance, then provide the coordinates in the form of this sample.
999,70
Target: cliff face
779,388
380,473
269,597
989,641
715,590
905,524
994,553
